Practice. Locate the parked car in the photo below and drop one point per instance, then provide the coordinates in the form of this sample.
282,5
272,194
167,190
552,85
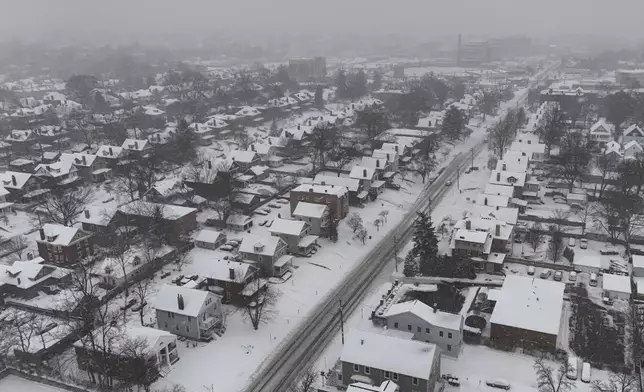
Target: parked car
274,205
607,301
572,242
226,248
269,223
572,276
262,223
585,372
232,243
545,274
608,251
392,185
448,183
558,276
128,304
583,243
573,368
531,270
281,201
261,212
498,383
593,279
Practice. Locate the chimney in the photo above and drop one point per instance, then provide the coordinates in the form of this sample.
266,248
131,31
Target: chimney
310,189
136,145
361,342
18,281
86,214
396,148
485,202
498,176
377,163
13,180
435,308
353,106
42,234
180,302
111,151
504,167
252,147
209,164
364,173
84,160
497,231
468,224
231,273
298,127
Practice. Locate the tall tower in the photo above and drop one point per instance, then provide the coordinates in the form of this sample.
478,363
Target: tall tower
458,51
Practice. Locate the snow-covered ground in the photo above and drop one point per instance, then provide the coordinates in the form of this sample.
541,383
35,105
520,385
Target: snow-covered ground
13,383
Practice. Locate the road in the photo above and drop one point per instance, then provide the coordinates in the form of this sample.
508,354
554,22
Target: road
306,343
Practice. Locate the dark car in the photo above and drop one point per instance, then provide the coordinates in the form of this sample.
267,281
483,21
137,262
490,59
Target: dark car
392,185
129,304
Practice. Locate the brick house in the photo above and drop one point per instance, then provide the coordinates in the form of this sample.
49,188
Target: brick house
178,221
63,245
335,197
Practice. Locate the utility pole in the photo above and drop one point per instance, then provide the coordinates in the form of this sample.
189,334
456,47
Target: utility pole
396,252
458,178
342,322
472,151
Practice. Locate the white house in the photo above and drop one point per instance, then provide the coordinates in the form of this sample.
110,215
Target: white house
633,133
617,286
428,325
632,149
601,132
314,215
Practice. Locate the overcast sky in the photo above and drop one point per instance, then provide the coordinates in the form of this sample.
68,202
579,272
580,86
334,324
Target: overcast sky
29,18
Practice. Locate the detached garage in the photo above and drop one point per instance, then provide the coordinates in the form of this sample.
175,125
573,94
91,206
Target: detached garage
528,313
588,264
617,286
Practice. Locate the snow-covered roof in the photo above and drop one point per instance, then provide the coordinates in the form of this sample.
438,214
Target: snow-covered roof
592,261
389,155
168,187
287,226
152,110
634,131
352,184
135,145
208,236
479,237
100,215
7,179
143,208
528,148
362,172
387,386
259,244
238,219
379,351
374,163
242,156
507,178
616,283
59,234
396,147
602,126
530,303
427,313
62,167
26,274
220,270
309,210
506,214
247,111
513,161
492,200
633,144
330,189
193,300
500,190
638,261
109,151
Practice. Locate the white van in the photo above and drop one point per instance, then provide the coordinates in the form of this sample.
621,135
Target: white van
593,279
571,242
572,276
531,270
585,372
573,368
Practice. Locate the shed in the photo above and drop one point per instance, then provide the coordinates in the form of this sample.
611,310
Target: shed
638,266
210,239
617,286
588,264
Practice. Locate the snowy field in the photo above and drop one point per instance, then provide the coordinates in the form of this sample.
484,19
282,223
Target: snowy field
13,383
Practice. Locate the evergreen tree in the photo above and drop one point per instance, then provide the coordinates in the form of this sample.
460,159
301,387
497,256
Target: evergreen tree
358,85
377,81
186,142
319,97
453,123
411,266
425,243
341,84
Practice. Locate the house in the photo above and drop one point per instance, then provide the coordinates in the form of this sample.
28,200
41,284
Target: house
22,165
601,133
50,157
357,195
387,386
633,134
509,215
401,149
245,203
492,200
613,151
22,187
498,190
263,252
239,222
516,180
25,279
528,311
392,158
192,313
428,325
135,147
513,161
101,221
335,197
296,234
617,286
258,172
483,240
314,215
367,177
168,191
5,206
242,160
533,151
63,245
367,358
128,352
90,168
109,156
210,239
60,174
638,266
590,264
178,221
632,149
113,271
231,277
380,165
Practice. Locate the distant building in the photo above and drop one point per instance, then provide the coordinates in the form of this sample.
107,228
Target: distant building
399,71
630,77
307,70
474,53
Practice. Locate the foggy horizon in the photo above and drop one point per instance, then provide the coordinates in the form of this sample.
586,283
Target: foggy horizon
147,20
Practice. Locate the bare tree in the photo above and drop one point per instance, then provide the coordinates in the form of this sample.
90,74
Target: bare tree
309,378
502,133
140,291
617,382
551,380
361,235
557,230
383,215
535,236
183,258
354,221
377,223
138,371
260,306
607,169
552,127
572,163
322,140
243,139
15,246
62,207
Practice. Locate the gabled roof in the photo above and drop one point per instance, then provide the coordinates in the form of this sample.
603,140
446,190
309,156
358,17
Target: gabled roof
220,270
507,178
362,172
193,300
59,234
379,351
634,131
135,145
309,210
7,179
261,245
242,156
602,126
287,226
143,208
633,144
374,163
109,151
329,189
98,215
427,313
208,236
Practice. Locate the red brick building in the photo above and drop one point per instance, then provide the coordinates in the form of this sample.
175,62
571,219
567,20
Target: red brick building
63,245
